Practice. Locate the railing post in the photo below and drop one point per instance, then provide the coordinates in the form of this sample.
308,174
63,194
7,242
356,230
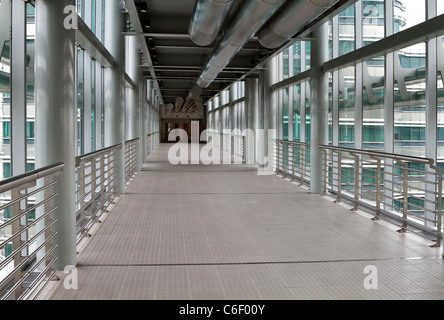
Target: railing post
339,195
378,190
284,159
325,166
438,209
302,156
18,240
278,151
356,178
405,196
292,161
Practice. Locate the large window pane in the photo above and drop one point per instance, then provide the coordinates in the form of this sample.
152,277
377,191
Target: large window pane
408,13
440,5
440,84
347,30
297,113
347,107
330,108
297,58
285,104
307,111
30,94
373,21
409,95
80,100
373,104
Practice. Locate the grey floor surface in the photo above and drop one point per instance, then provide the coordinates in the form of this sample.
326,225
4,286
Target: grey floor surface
193,232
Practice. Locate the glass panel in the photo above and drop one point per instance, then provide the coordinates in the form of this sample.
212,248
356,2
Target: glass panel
30,96
285,93
93,16
373,104
285,66
297,113
373,21
408,13
307,55
440,7
80,99
93,105
307,111
347,107
347,30
330,39
297,58
330,108
440,84
410,112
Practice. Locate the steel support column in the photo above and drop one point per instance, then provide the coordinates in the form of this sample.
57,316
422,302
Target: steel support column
56,113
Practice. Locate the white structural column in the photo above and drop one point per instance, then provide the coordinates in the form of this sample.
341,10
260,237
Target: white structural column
18,88
252,115
56,114
319,105
114,130
270,112
133,106
132,69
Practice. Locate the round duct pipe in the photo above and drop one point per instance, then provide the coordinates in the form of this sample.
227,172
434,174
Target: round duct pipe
290,20
207,20
250,17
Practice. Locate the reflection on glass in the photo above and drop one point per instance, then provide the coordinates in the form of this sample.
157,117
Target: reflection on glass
307,111
440,85
285,61
347,107
409,97
330,108
297,58
285,93
30,96
307,55
80,100
372,21
347,30
373,104
93,105
408,13
330,39
440,7
297,113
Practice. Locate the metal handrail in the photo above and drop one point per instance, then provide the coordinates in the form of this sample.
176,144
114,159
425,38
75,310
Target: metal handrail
130,159
96,187
389,181
31,254
292,160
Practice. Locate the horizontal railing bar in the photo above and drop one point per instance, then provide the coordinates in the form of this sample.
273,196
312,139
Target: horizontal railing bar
84,157
37,279
19,216
10,258
380,154
22,279
27,195
24,261
27,227
15,182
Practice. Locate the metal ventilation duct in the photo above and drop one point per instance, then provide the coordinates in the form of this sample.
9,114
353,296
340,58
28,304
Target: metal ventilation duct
250,17
295,15
208,18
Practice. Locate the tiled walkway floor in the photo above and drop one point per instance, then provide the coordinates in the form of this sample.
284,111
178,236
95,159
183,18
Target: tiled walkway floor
225,232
